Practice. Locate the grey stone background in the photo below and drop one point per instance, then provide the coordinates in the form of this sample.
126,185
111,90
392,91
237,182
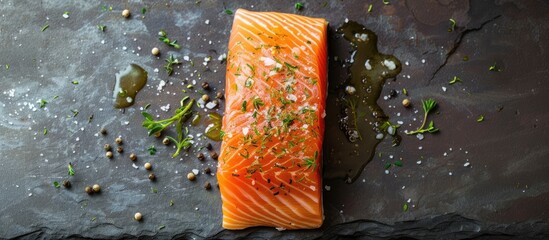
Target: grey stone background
502,193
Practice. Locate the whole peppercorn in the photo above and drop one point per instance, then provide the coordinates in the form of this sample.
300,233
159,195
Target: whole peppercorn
88,189
207,170
155,51
406,102
205,86
137,216
207,185
152,177
108,154
107,147
118,140
166,141
392,93
209,146
205,97
96,188
66,183
126,13
120,149
157,134
191,176
214,155
103,131
148,166
219,95
133,157
200,156
216,102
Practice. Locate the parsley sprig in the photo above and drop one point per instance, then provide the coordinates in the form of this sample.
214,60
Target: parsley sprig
170,61
182,114
164,38
428,105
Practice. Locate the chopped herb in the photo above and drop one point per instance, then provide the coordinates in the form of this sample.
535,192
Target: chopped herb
74,112
56,184
75,82
229,11
164,38
143,11
44,27
405,207
257,102
66,13
428,105
466,58
162,226
244,104
147,106
249,83
171,202
388,165
93,219
190,86
494,68
55,97
7,67
480,118
298,6
71,169
151,150
154,190
101,27
398,163
455,80
43,103
170,61
311,162
405,92
45,131
370,7
386,2
452,25
290,67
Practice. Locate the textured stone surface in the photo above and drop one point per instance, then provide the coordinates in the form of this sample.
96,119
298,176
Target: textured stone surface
502,193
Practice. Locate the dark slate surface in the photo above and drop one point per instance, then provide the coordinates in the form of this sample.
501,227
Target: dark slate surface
503,193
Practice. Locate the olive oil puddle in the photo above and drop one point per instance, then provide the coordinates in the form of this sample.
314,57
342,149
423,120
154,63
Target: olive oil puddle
355,123
128,83
213,127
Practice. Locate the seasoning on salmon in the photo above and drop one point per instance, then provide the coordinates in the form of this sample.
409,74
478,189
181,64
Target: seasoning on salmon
269,169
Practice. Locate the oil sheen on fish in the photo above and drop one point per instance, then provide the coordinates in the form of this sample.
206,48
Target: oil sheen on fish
269,170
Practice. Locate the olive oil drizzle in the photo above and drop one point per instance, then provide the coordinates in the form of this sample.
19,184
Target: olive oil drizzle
360,118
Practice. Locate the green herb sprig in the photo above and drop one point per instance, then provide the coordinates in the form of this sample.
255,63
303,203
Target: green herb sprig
71,169
170,61
154,127
455,80
182,114
164,38
298,6
428,105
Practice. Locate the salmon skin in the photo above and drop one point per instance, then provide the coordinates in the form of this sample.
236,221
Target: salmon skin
269,169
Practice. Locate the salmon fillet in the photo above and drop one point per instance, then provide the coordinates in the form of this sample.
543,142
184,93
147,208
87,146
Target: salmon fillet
269,170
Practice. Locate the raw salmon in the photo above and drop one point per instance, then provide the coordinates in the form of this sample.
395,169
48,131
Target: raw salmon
269,168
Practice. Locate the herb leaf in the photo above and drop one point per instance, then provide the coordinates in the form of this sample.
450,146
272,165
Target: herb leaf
151,150
71,169
44,27
229,11
452,25
480,118
56,184
455,80
494,68
298,6
101,27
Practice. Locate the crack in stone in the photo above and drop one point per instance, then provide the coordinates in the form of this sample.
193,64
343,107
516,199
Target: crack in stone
457,43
